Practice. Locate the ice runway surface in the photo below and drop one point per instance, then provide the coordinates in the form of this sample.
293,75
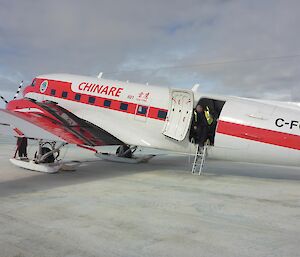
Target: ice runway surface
155,209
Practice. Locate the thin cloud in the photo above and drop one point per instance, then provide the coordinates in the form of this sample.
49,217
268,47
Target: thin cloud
86,37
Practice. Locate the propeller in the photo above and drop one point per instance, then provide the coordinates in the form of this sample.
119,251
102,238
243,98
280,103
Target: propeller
19,89
3,99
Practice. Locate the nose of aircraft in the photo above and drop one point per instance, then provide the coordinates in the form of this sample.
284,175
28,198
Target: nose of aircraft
26,90
29,88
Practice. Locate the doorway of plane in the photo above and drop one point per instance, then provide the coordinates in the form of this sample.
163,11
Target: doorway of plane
214,107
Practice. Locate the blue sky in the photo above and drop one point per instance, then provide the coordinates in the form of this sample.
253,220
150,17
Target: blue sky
86,37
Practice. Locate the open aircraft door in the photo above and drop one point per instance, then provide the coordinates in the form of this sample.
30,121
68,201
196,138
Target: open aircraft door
179,115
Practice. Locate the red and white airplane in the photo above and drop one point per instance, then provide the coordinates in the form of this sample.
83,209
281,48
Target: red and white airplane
90,112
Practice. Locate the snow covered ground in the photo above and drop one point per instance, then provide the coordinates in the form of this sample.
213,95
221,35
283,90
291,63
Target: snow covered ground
155,209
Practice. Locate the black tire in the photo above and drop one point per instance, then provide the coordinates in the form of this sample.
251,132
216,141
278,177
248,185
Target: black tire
124,151
50,158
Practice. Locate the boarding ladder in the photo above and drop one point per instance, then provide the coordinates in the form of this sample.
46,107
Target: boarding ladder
199,159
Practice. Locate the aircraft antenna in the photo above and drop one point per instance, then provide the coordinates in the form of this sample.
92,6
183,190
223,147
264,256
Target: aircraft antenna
100,75
195,87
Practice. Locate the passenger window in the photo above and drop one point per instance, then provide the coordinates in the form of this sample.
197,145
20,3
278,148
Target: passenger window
77,97
107,103
142,110
53,91
92,100
123,106
162,114
64,94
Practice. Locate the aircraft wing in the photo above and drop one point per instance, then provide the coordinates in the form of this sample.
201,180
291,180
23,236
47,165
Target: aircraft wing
51,122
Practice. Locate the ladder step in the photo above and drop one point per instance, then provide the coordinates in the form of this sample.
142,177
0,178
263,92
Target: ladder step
199,159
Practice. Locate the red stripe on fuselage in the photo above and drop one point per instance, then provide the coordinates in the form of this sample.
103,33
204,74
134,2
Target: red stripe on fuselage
259,134
62,86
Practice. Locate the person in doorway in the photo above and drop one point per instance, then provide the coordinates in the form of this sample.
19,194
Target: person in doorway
199,127
211,125
212,132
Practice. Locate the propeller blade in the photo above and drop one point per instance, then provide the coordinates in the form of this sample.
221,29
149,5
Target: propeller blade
18,91
3,99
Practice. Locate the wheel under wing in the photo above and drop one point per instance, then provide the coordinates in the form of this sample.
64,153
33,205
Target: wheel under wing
49,121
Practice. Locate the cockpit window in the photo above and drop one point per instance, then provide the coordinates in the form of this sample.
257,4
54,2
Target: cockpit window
33,83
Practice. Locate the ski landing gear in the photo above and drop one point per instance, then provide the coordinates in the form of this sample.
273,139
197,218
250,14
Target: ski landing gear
125,154
45,159
125,151
47,152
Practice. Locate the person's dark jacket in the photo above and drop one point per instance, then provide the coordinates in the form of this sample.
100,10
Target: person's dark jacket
199,119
